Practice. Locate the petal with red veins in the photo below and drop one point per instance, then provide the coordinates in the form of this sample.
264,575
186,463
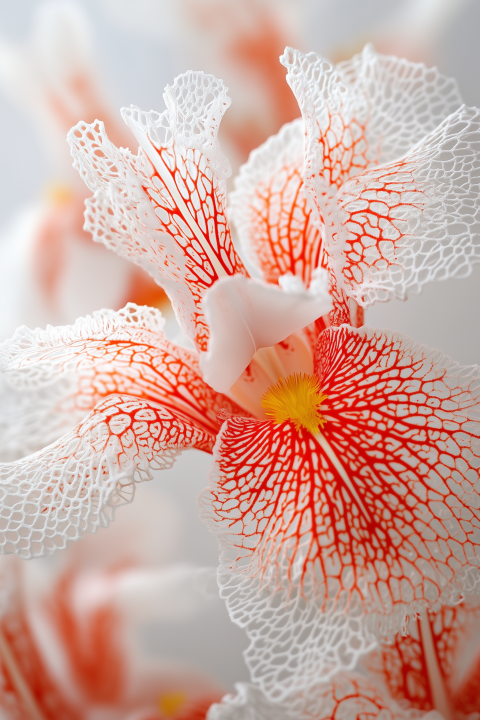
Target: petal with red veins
73,485
165,207
347,695
438,657
124,352
368,110
379,514
389,229
414,220
246,315
270,210
402,100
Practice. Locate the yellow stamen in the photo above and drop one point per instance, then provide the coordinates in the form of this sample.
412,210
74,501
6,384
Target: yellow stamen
170,703
298,399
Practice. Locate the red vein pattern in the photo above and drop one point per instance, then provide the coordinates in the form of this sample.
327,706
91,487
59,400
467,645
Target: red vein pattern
165,208
391,229
72,486
346,696
270,210
124,352
403,667
387,518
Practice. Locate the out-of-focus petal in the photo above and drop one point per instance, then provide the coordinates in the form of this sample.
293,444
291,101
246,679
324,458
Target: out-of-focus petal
72,486
379,513
122,352
270,210
246,315
436,663
347,695
165,207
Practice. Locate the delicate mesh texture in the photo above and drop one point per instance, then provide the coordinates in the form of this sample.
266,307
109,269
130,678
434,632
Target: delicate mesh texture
379,515
397,101
165,208
274,222
124,352
391,229
32,419
348,696
293,640
270,210
73,485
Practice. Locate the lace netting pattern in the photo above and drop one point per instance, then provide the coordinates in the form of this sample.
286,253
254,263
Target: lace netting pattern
379,515
165,208
348,695
72,486
123,352
413,220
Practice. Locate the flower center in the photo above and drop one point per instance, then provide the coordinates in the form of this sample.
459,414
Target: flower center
297,398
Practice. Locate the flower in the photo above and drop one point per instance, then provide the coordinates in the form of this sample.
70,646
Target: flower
74,650
45,254
356,504
432,668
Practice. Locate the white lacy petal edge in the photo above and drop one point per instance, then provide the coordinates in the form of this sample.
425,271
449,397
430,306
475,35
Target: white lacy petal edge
246,315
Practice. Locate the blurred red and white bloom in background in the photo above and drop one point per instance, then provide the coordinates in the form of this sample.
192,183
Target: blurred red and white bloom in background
344,488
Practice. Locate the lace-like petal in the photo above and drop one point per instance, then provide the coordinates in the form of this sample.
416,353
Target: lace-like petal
380,513
388,231
165,208
398,101
73,485
246,315
122,352
415,220
270,210
295,637
347,695
30,419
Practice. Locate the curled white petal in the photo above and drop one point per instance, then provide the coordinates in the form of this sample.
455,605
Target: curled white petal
246,315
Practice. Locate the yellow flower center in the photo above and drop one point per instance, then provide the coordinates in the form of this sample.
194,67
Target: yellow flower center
298,399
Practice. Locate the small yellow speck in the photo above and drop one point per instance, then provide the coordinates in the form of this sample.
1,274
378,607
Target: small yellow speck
298,399
170,703
58,193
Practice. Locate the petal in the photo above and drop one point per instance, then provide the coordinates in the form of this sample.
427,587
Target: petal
270,210
399,101
165,208
73,485
378,515
113,352
403,427
28,688
347,695
30,419
245,315
294,639
412,221
369,110
422,666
